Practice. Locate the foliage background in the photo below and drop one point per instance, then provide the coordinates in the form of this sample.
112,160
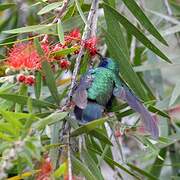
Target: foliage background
31,125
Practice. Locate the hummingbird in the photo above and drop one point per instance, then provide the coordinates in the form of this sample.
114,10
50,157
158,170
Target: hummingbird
96,89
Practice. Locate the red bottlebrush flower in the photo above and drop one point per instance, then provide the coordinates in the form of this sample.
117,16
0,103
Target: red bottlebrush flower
64,64
75,33
46,170
21,78
30,80
90,45
25,56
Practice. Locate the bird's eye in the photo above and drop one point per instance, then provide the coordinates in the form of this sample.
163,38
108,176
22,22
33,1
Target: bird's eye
103,63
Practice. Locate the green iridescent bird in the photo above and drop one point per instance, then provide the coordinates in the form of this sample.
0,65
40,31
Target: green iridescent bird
96,89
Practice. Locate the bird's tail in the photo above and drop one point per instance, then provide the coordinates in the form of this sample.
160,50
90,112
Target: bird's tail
149,121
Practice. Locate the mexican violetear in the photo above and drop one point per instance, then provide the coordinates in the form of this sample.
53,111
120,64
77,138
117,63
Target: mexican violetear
96,89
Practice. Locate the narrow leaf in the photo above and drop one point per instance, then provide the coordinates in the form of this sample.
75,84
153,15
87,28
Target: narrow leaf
61,170
158,111
156,170
100,135
88,127
49,75
66,51
84,170
114,163
6,6
92,165
50,80
60,31
38,84
34,28
80,11
23,100
49,7
134,31
142,172
53,118
143,19
11,118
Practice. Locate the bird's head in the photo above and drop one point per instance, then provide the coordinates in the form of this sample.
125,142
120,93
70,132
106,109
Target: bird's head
109,63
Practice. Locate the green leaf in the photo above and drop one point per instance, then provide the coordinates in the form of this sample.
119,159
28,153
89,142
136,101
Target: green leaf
6,6
117,33
114,163
175,5
172,139
88,127
156,170
125,113
38,84
82,168
175,93
92,165
134,31
49,7
60,170
80,11
65,52
6,137
98,133
19,115
4,24
53,118
143,19
38,47
11,118
60,31
111,2
49,75
27,29
142,172
50,80
7,128
158,111
175,158
23,100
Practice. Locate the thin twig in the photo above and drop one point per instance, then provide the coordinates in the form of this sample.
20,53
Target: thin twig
170,13
89,30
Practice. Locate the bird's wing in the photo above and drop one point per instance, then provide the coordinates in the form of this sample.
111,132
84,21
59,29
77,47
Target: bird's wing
128,96
80,95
